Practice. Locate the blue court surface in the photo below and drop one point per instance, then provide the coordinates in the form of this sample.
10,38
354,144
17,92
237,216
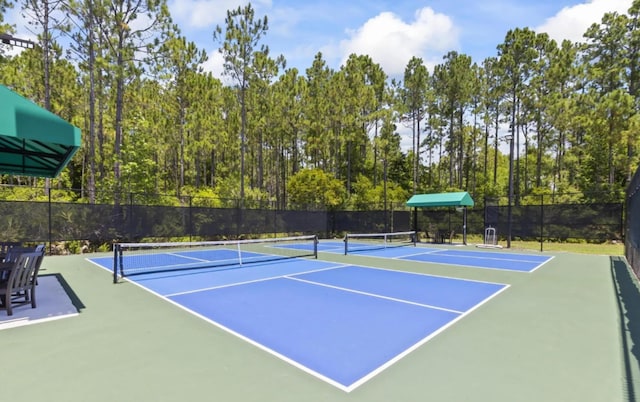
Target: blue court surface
341,323
478,259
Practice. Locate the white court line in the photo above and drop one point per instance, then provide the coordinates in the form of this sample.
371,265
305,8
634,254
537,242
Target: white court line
423,273
310,371
253,281
374,295
430,251
551,257
424,340
184,256
444,253
479,256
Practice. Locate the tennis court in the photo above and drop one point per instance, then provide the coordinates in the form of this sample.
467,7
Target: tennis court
509,261
341,323
273,331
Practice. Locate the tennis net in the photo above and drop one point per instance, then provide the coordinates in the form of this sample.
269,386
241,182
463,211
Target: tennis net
361,242
141,258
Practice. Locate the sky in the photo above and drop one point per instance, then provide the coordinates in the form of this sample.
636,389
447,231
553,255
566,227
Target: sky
389,31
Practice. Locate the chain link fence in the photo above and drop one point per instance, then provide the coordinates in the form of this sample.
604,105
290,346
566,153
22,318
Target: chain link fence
559,222
44,219
632,227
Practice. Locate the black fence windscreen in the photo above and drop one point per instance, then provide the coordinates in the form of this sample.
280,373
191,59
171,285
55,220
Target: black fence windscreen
632,235
28,221
558,222
369,221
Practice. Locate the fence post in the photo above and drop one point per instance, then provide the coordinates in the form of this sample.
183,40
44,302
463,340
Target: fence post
190,218
624,220
541,221
239,207
129,217
50,225
386,214
484,215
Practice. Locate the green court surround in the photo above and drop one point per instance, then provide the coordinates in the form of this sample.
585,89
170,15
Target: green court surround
566,332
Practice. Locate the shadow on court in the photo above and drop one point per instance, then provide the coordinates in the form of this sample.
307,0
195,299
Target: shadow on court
628,295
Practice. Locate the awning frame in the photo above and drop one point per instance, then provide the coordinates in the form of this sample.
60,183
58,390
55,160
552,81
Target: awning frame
434,200
33,141
453,199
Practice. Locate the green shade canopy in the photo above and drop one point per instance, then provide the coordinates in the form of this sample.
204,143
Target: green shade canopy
461,199
33,141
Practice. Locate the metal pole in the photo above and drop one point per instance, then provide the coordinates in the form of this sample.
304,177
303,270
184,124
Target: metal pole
510,191
541,222
130,218
50,225
115,262
386,213
190,225
464,226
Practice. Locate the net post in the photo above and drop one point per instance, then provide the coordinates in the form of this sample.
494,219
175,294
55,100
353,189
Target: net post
346,243
121,260
315,246
415,238
116,247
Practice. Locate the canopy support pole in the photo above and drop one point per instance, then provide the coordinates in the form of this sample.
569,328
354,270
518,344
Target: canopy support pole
464,225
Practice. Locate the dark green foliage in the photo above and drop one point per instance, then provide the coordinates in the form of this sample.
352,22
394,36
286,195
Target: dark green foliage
159,124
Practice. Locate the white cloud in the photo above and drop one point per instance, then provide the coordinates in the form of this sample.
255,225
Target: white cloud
214,64
391,42
208,13
572,22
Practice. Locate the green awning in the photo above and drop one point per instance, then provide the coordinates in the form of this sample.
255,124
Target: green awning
33,141
460,199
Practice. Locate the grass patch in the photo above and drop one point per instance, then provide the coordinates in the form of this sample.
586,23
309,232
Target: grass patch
582,248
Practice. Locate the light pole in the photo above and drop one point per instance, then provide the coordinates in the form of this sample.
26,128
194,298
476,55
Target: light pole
510,202
7,39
